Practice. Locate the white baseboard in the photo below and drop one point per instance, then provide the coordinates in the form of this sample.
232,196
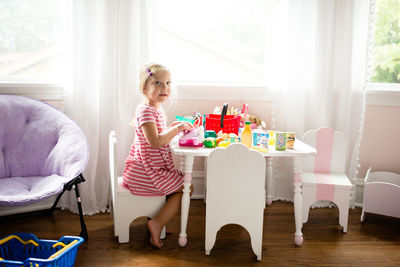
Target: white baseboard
358,205
198,184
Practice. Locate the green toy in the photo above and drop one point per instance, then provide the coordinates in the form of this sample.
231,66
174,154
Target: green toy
210,142
210,133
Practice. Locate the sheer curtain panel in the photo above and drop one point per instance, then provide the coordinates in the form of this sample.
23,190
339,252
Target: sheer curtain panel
319,70
110,44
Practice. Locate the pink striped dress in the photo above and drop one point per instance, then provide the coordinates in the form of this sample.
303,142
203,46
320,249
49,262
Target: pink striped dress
150,171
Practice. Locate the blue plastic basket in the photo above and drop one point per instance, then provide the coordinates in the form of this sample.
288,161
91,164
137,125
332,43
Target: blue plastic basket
24,249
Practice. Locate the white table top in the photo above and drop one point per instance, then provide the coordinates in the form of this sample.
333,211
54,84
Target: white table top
300,149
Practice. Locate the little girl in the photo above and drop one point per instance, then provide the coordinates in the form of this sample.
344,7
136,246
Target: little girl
149,167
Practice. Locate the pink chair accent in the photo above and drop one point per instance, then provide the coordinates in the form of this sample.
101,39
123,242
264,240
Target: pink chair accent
323,177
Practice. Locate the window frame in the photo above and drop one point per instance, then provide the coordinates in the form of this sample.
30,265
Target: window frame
383,94
225,91
192,84
42,88
38,90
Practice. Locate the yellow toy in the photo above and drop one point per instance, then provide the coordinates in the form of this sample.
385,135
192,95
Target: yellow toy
260,149
224,144
219,139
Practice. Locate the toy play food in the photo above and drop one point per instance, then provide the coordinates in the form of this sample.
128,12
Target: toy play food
233,138
280,142
290,138
223,135
246,135
210,142
223,144
190,141
271,138
210,133
194,137
260,149
260,138
219,139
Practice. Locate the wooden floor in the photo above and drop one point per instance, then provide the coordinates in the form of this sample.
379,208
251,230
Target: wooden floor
373,243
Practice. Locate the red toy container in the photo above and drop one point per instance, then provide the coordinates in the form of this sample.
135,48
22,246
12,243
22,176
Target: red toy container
230,123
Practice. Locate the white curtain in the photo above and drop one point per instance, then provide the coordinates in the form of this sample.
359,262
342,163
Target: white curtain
110,44
318,74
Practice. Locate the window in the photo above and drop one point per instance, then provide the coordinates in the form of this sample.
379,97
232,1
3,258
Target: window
213,42
32,41
386,49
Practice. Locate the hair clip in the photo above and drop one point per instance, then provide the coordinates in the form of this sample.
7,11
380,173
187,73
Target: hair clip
149,72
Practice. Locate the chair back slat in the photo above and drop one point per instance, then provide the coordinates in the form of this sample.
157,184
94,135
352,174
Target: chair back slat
331,151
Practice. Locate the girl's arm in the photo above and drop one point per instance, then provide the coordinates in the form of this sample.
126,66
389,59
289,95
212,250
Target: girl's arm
178,122
158,140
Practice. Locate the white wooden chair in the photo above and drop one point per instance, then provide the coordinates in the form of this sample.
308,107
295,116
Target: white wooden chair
235,193
126,207
323,176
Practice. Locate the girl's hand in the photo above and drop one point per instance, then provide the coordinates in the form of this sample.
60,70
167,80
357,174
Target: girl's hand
158,140
182,126
179,122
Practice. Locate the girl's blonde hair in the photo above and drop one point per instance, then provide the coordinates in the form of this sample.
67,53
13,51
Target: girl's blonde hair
147,71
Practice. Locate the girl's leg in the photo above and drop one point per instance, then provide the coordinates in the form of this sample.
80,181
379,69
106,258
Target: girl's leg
167,230
168,211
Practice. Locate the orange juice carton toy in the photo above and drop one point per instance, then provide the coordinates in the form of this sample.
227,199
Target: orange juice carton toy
246,135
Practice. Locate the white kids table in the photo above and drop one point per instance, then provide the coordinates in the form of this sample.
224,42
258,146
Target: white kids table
187,157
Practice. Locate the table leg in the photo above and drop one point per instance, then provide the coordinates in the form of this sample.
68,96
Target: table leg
298,201
205,180
269,181
187,163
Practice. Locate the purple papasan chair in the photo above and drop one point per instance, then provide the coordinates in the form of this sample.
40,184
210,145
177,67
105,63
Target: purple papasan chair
42,154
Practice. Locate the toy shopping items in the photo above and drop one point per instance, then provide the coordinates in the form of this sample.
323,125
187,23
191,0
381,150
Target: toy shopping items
194,137
290,138
246,137
256,122
210,142
280,142
260,138
226,123
191,118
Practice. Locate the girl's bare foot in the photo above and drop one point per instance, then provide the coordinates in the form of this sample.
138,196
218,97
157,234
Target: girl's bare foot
167,230
155,232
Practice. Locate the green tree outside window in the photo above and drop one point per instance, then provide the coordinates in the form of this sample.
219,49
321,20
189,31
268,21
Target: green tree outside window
386,51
